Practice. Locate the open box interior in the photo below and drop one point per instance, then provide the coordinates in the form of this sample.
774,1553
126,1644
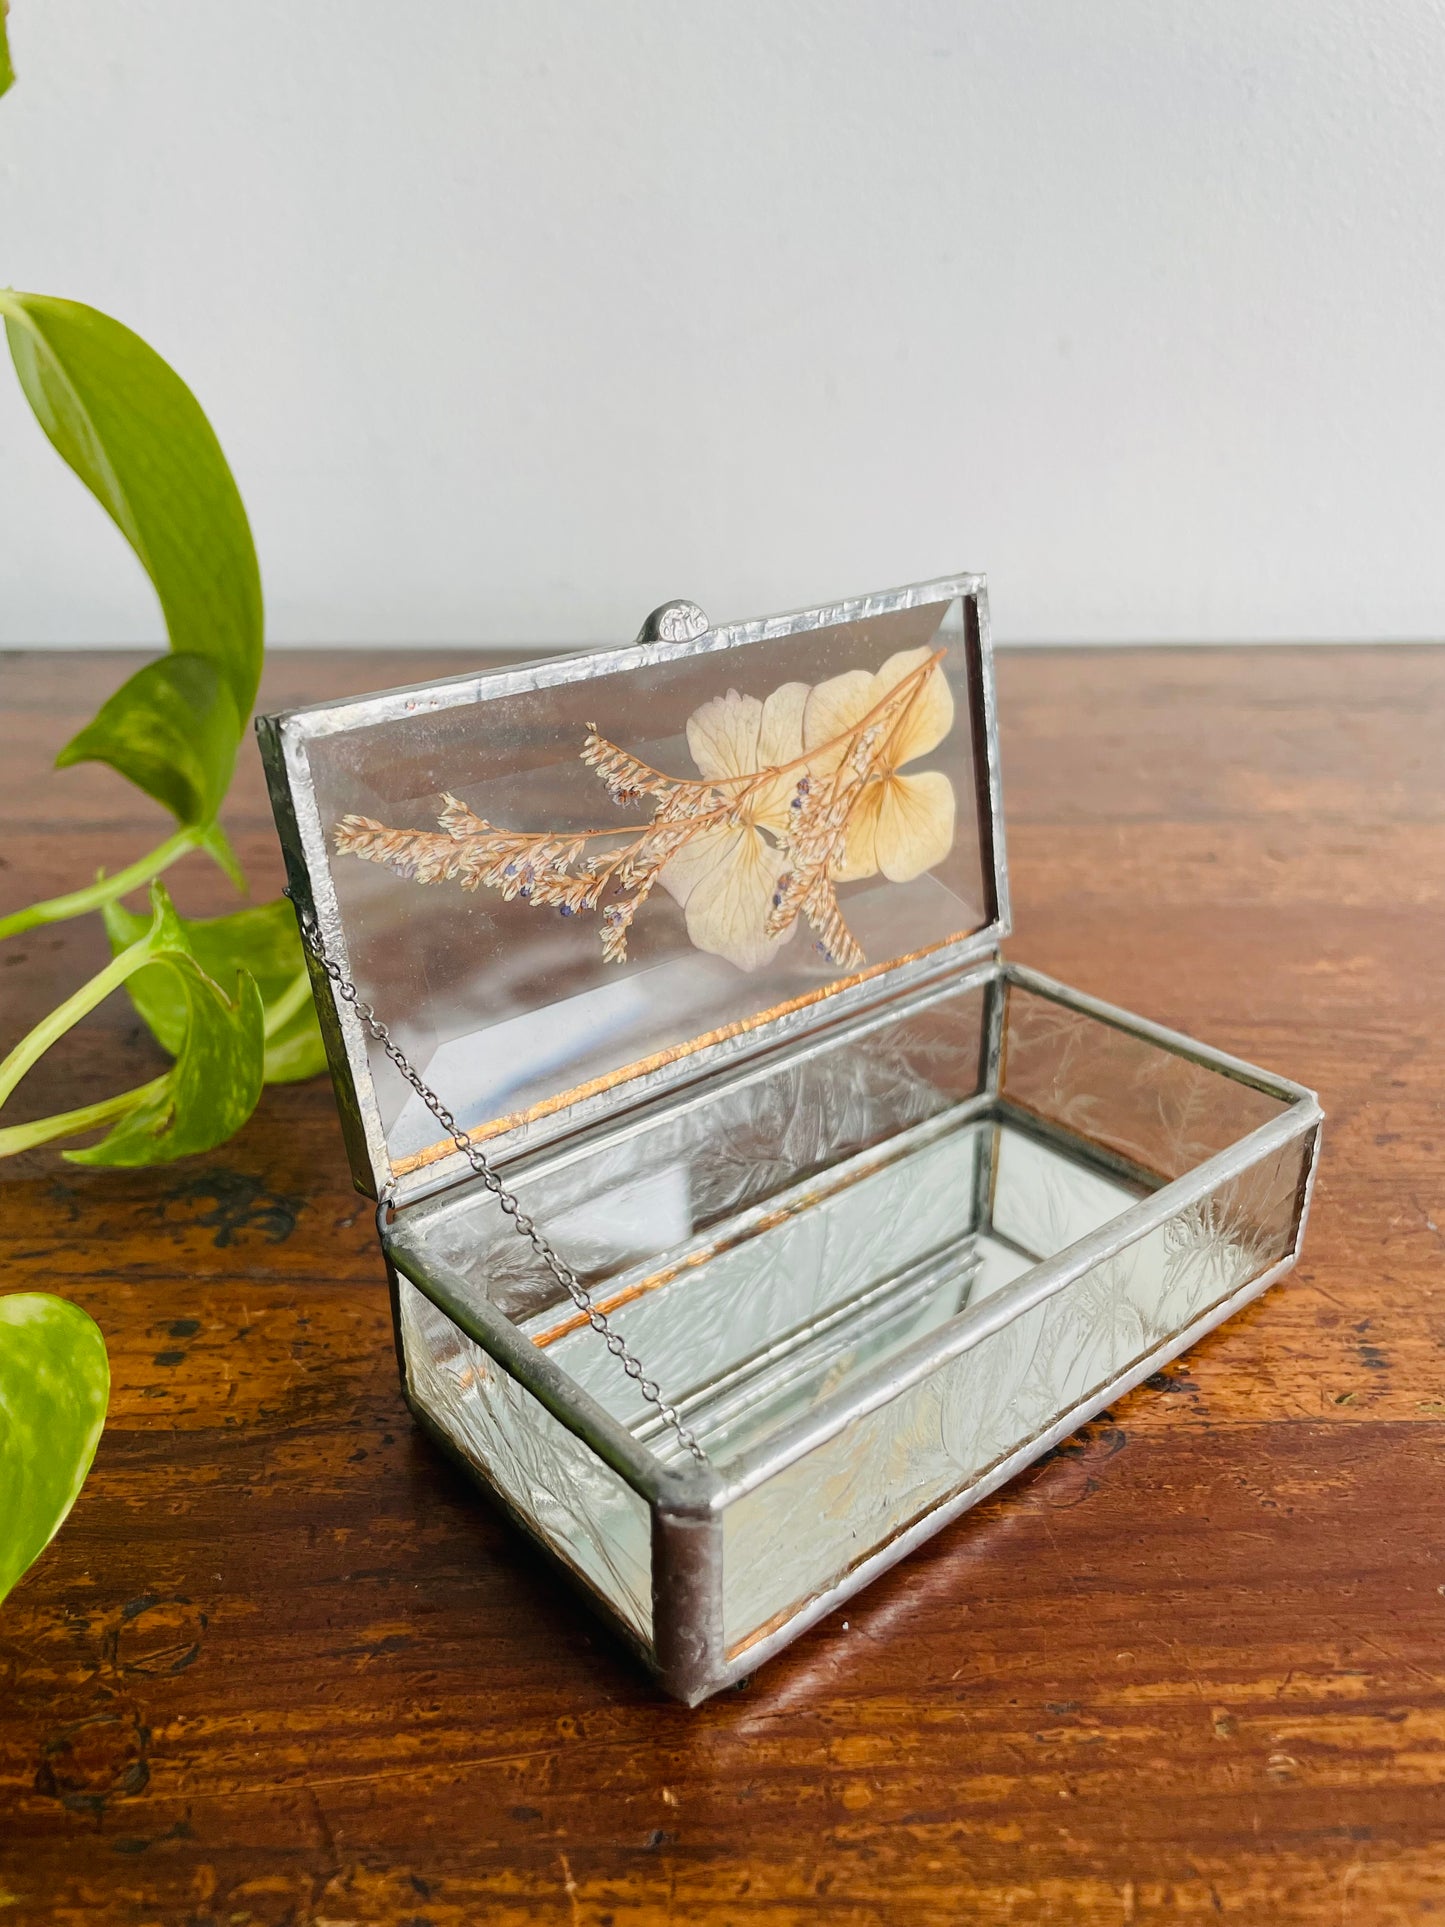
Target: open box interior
836,1262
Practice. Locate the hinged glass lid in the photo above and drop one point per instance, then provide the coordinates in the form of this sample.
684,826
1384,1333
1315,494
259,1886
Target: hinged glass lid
570,884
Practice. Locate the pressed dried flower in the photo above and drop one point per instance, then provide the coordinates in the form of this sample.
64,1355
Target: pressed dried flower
796,792
900,825
726,878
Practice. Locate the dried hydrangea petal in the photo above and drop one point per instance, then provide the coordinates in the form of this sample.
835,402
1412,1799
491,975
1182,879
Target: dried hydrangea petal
913,824
833,709
728,906
780,742
734,736
722,735
682,873
930,714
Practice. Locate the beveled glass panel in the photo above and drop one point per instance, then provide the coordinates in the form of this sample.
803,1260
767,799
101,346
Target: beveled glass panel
511,1010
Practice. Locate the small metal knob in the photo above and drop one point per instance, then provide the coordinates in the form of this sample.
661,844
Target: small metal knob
674,622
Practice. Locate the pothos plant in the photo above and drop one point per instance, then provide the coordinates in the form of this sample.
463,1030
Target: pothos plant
227,998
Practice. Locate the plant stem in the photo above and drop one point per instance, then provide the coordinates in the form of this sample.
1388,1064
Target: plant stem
33,1047
104,890
292,998
23,1137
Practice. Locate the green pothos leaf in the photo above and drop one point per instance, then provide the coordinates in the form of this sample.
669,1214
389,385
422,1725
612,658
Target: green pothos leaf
137,437
263,941
173,730
54,1388
212,1087
7,72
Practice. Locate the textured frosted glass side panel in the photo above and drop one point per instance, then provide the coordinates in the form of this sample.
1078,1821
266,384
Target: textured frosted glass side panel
801,1531
589,1516
1113,1088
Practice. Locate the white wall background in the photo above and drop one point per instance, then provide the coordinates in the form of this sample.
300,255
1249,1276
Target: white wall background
517,316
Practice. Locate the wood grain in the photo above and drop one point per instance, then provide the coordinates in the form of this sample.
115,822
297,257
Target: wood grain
282,1667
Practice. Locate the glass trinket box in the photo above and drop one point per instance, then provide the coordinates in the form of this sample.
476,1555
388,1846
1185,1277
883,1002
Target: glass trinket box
690,949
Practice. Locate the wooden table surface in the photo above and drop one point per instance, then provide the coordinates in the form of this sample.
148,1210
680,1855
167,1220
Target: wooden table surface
282,1666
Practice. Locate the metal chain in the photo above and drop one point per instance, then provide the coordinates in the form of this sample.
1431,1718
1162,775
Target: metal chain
507,1202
